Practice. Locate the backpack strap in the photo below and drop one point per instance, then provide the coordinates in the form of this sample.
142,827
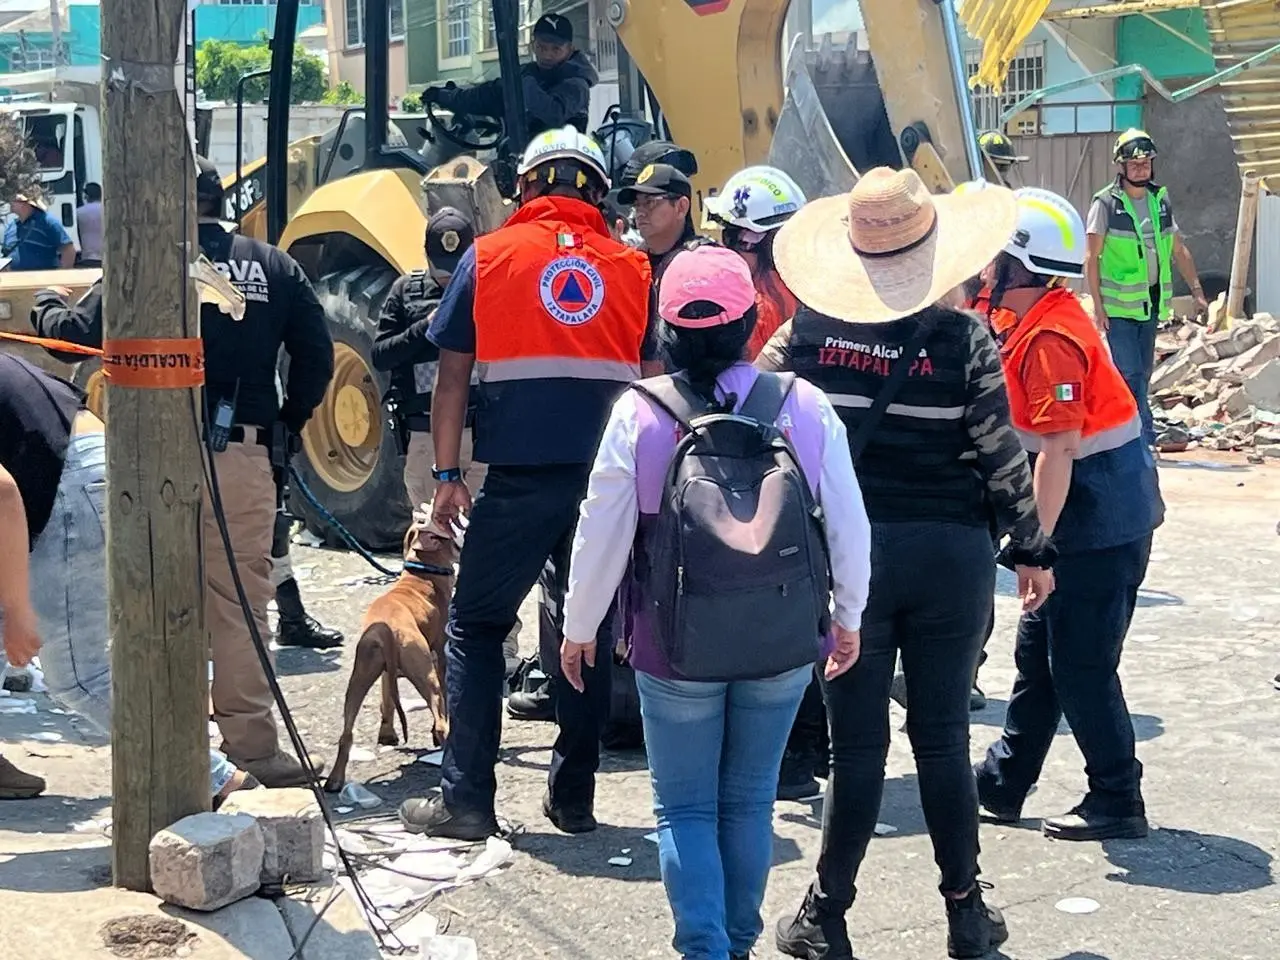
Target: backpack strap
858,442
764,400
674,395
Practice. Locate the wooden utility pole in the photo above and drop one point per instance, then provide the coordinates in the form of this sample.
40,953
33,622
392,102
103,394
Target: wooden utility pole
1243,250
153,361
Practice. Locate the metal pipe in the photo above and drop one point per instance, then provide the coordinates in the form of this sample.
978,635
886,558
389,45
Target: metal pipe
377,54
960,81
239,187
280,96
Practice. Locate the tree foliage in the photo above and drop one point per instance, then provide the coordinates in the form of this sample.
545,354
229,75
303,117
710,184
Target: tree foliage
411,103
220,64
19,171
344,93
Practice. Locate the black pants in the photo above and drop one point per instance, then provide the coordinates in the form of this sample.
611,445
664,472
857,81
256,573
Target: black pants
931,585
523,516
1068,656
809,732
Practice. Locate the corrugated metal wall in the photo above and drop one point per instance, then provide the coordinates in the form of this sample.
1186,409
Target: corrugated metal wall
1266,255
1074,165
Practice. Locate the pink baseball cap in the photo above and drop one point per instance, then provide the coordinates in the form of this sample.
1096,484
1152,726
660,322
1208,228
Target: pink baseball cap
709,273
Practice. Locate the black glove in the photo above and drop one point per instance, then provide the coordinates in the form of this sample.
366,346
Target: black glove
1040,553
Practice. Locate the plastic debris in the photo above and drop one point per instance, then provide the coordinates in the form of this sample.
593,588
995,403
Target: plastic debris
351,842
361,755
619,861
358,795
1078,905
449,948
435,758
497,854
47,736
884,829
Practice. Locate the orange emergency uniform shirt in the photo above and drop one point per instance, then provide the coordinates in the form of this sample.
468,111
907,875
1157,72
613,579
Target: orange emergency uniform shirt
775,305
561,312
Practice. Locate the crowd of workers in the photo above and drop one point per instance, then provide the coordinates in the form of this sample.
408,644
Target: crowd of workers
939,355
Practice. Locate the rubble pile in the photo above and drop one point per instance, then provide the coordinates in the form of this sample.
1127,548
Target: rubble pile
1218,389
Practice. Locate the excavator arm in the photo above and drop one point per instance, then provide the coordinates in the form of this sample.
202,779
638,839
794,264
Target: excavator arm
715,67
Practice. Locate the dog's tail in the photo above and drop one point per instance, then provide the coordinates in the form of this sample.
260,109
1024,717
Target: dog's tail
391,656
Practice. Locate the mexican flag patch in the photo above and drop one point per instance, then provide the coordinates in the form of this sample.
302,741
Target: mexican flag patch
1066,391
567,241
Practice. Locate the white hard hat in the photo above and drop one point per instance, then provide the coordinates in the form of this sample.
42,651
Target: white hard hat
758,198
970,186
564,143
1050,237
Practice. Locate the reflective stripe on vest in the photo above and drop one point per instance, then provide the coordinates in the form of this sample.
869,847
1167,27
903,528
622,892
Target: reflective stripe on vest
1122,269
551,368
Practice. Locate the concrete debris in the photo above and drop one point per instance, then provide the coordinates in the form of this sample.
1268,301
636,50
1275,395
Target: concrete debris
448,948
1215,390
208,860
292,832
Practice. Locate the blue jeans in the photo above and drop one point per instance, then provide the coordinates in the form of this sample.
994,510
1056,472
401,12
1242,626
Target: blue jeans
69,594
714,753
1133,349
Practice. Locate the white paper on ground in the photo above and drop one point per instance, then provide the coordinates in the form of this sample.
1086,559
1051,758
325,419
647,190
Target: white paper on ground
15,707
619,861
361,755
449,948
651,837
47,736
413,704
1078,905
884,829
434,758
497,853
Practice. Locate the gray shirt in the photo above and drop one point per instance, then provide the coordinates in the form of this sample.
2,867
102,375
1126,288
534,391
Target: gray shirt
89,224
1097,226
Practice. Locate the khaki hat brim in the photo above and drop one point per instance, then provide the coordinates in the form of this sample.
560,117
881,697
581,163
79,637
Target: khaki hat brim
817,262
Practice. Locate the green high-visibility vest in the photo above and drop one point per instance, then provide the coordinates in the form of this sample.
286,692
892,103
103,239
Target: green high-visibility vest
1123,266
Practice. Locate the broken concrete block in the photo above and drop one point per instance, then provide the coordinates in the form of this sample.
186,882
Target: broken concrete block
1266,436
1267,349
292,832
1263,386
1235,403
1233,342
1272,452
1174,371
206,861
1206,411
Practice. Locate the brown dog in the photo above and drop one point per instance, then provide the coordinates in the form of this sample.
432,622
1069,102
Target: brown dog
403,636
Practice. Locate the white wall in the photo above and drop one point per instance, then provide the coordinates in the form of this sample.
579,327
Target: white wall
1266,255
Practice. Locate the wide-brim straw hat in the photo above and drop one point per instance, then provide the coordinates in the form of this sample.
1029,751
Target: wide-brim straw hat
889,248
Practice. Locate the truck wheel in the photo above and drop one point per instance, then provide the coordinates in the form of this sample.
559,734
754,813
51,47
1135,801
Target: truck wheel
88,376
349,459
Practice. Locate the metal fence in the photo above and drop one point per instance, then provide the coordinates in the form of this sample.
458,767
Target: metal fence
1074,165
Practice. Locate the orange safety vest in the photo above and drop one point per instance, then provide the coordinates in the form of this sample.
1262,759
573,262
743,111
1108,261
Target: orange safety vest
775,305
560,311
982,302
1110,412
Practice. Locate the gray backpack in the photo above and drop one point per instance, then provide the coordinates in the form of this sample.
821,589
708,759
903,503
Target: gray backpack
735,570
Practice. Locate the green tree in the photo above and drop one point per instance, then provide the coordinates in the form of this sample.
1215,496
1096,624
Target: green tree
19,171
344,93
220,64
411,103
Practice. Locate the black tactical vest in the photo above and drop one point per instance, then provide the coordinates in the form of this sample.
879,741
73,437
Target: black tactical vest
920,463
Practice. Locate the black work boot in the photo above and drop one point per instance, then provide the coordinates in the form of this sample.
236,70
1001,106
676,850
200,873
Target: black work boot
532,699
796,776
297,628
974,929
569,818
432,817
816,933
1081,824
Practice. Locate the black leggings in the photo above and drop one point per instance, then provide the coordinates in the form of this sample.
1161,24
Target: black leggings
931,589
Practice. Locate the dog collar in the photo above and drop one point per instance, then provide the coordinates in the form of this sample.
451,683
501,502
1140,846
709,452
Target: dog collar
427,569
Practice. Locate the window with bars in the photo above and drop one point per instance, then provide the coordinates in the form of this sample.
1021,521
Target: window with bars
396,13
1026,75
457,18
355,22
33,58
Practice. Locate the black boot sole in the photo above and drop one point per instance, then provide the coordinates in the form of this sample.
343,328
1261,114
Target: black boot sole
1121,828
999,934
799,791
566,822
804,949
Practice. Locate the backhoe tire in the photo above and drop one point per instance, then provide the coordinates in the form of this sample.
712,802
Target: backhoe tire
349,459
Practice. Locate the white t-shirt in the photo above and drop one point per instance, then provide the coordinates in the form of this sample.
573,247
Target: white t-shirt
89,223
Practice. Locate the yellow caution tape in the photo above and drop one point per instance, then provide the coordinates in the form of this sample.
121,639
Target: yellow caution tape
1001,26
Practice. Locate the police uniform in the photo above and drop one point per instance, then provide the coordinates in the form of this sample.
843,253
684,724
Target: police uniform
1061,378
403,349
281,309
555,312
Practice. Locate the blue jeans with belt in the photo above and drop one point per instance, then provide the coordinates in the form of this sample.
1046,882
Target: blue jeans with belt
714,753
69,594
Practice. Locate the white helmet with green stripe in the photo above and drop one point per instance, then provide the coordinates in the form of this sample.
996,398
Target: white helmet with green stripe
1050,236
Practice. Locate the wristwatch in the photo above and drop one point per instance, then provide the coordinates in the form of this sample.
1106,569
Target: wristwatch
447,475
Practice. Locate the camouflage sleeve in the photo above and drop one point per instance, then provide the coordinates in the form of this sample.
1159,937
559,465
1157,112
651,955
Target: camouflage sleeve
1001,460
776,354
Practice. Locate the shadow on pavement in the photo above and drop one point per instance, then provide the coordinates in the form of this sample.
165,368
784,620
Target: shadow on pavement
299,661
1190,862
1203,465
73,870
1158,598
52,813
1082,955
1146,726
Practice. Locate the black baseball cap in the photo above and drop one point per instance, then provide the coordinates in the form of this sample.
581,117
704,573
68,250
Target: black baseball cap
658,151
554,26
449,234
208,180
657,179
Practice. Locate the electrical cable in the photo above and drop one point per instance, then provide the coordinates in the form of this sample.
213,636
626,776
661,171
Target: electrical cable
300,485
